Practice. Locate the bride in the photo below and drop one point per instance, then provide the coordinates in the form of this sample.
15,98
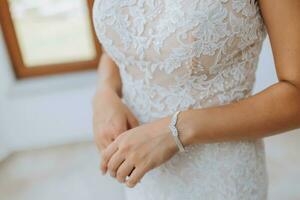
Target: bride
175,117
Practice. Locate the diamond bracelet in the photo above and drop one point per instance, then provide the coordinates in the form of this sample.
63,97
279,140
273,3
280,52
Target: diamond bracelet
174,131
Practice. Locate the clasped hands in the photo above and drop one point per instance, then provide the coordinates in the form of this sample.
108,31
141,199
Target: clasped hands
138,150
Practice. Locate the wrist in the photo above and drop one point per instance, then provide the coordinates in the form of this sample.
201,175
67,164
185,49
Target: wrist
107,88
103,92
164,128
186,128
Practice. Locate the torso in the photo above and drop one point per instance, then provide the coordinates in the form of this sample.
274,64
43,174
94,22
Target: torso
181,54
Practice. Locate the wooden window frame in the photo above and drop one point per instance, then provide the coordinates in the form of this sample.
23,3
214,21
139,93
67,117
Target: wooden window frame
21,71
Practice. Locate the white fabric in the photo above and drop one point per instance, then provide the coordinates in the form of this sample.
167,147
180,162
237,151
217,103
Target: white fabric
181,54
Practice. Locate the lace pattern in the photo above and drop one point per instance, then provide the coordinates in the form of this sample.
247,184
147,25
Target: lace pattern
180,54
177,54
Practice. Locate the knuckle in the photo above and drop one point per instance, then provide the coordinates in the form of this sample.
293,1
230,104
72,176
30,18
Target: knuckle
137,157
133,158
124,148
148,165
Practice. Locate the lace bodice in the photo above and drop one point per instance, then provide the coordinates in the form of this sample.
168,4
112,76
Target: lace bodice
178,54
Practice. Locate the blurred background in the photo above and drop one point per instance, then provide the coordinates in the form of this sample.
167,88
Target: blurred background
46,148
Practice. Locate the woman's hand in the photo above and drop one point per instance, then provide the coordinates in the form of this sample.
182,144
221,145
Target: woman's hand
139,150
111,117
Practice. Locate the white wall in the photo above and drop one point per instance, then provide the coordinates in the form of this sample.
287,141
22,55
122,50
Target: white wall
265,74
43,111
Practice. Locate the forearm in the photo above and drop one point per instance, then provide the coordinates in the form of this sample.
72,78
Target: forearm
272,111
109,75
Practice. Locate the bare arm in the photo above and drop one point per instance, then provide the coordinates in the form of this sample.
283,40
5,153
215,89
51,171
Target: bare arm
111,116
108,75
275,109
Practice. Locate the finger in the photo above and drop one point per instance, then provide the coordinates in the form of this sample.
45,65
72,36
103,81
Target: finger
131,172
124,170
106,155
136,176
114,163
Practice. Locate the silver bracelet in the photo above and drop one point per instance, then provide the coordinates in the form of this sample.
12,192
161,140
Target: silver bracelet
174,131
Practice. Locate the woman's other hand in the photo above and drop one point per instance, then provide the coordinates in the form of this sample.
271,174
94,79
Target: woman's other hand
139,150
111,117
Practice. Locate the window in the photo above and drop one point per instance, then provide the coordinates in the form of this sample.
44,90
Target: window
49,36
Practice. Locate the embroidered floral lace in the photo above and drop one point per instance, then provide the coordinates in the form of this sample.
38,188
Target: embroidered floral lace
180,54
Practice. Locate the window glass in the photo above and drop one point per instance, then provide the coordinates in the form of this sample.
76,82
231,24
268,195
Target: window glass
53,31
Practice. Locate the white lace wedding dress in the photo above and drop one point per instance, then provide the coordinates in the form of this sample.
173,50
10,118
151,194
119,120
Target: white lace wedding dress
182,54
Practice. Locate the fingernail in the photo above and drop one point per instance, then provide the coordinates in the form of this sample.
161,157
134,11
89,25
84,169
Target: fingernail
112,174
129,184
